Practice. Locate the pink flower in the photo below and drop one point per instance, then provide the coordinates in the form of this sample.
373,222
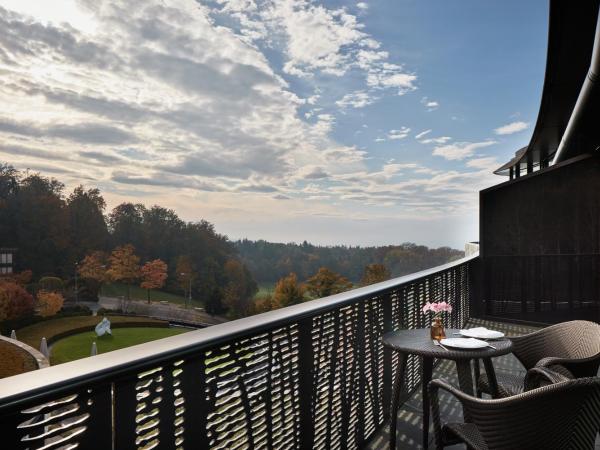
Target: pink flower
437,307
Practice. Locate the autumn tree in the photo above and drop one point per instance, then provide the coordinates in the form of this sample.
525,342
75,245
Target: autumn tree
124,266
154,275
94,267
239,290
326,282
48,303
15,301
186,274
288,291
264,304
375,273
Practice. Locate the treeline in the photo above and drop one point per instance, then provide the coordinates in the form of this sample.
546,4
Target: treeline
53,231
269,262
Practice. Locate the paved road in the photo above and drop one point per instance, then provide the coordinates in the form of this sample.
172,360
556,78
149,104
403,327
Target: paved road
165,311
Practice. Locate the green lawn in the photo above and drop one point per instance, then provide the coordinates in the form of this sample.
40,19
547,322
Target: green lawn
265,289
137,293
55,328
79,345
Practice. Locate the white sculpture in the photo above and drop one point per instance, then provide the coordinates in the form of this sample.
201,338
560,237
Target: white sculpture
44,348
103,327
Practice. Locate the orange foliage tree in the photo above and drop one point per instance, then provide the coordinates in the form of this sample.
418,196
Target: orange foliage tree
49,303
15,301
154,275
375,273
326,282
124,266
288,291
93,267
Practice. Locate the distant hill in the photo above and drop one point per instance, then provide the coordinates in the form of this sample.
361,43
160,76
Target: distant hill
268,261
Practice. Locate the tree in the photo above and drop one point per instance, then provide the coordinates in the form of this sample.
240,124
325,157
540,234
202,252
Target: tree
42,226
288,291
375,273
15,301
124,266
49,303
126,224
213,301
185,274
51,284
93,267
264,304
154,275
239,290
88,230
326,282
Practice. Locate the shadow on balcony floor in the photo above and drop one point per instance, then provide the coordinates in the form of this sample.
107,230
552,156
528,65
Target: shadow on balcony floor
410,415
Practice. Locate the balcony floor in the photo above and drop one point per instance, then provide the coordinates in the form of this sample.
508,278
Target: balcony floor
410,415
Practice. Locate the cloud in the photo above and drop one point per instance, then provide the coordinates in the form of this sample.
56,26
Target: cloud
460,150
314,173
431,105
423,134
511,128
488,163
398,134
437,140
358,99
315,40
92,133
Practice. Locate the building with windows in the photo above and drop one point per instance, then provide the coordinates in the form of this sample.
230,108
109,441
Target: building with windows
7,258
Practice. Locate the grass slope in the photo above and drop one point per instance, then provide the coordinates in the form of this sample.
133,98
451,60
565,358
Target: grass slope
79,345
137,293
33,334
265,289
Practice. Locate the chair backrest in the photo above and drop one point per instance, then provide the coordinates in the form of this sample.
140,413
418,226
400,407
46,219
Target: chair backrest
573,340
563,416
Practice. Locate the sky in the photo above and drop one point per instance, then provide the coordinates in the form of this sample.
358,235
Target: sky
335,122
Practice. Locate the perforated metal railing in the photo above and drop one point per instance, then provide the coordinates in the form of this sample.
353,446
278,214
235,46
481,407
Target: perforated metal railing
309,376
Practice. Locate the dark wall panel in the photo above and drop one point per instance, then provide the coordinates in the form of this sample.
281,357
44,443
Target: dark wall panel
540,244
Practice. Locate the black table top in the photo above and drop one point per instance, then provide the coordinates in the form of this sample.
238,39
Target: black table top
418,342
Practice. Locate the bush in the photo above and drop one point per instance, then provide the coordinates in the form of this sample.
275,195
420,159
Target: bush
15,301
70,311
51,284
49,303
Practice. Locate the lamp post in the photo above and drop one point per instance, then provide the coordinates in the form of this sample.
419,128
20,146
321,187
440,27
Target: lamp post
189,293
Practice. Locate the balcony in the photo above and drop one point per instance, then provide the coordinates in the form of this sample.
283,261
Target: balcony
316,375
313,375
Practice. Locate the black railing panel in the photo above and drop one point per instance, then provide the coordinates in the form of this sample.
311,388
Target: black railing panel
314,375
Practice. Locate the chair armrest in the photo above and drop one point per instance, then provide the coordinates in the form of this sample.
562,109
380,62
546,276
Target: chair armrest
572,367
542,376
434,387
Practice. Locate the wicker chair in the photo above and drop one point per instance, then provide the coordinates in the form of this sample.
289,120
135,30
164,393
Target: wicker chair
562,416
570,348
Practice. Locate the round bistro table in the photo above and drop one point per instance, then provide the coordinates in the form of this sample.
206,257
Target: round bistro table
418,342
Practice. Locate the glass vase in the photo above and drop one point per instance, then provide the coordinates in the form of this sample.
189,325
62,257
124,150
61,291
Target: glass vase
437,329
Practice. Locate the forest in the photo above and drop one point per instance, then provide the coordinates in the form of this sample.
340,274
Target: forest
58,234
53,231
268,262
